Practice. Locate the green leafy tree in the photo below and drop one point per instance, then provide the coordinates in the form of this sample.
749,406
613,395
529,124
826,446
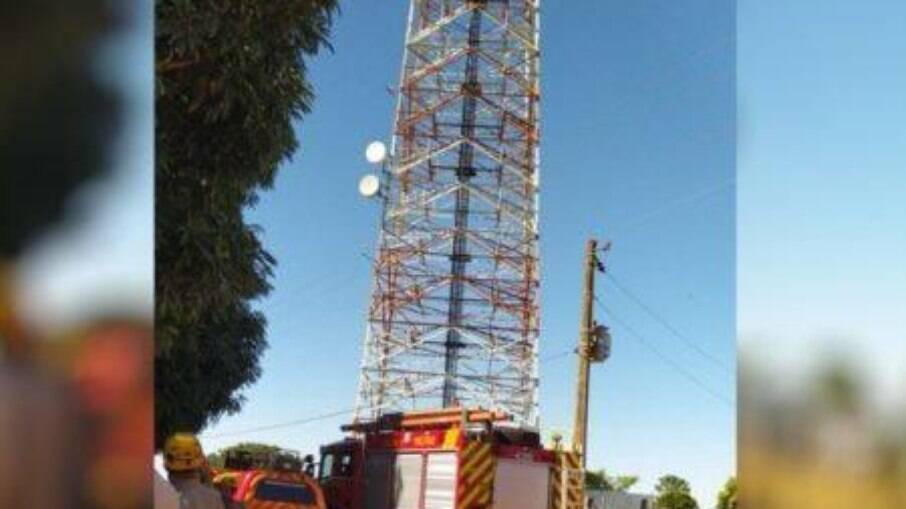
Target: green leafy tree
673,492
726,499
230,83
216,459
596,480
600,480
624,482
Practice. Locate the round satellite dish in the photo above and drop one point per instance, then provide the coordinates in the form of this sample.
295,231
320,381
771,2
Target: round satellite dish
376,152
369,186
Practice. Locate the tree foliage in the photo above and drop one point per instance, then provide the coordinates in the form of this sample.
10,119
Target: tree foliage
673,492
216,459
595,480
727,497
230,83
600,480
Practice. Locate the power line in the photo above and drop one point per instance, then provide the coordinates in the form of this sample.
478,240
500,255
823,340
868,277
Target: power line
331,415
666,358
663,321
556,356
316,291
691,198
287,424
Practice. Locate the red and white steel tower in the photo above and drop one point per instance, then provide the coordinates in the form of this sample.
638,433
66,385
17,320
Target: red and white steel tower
454,314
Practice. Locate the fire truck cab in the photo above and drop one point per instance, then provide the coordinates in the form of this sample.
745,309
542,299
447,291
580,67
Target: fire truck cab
340,473
446,459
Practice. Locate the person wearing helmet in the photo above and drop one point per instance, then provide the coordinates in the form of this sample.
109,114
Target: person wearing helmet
185,461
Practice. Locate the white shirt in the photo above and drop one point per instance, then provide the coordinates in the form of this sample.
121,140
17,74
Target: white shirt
165,496
195,495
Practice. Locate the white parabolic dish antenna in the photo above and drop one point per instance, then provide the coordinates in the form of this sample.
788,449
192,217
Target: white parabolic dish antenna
369,186
376,152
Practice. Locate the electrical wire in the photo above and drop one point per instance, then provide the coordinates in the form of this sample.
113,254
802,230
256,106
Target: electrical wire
331,415
287,424
687,199
663,321
666,358
556,356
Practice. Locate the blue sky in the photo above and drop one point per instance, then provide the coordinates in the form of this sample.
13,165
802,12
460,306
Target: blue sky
638,147
821,187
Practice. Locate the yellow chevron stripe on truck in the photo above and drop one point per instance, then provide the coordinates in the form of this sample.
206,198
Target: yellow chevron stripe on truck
476,475
568,482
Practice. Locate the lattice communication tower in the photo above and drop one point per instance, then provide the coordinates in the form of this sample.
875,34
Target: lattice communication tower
454,314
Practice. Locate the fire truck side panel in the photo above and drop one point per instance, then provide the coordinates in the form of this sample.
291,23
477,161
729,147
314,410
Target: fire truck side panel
407,482
520,484
440,482
411,480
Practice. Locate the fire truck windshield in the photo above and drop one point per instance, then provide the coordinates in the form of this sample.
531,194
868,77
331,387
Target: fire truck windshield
276,491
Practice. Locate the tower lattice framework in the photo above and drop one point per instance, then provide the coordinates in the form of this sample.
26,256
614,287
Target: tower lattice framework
454,314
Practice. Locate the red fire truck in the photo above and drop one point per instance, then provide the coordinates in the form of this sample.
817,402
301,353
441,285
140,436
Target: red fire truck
447,459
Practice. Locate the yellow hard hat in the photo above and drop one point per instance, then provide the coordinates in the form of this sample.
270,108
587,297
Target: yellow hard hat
182,452
229,479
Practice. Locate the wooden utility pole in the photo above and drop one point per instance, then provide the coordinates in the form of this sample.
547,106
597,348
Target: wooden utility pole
594,346
586,325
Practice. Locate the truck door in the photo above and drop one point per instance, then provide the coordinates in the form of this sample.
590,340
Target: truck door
378,480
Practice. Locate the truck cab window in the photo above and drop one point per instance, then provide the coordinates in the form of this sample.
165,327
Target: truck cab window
326,469
345,466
